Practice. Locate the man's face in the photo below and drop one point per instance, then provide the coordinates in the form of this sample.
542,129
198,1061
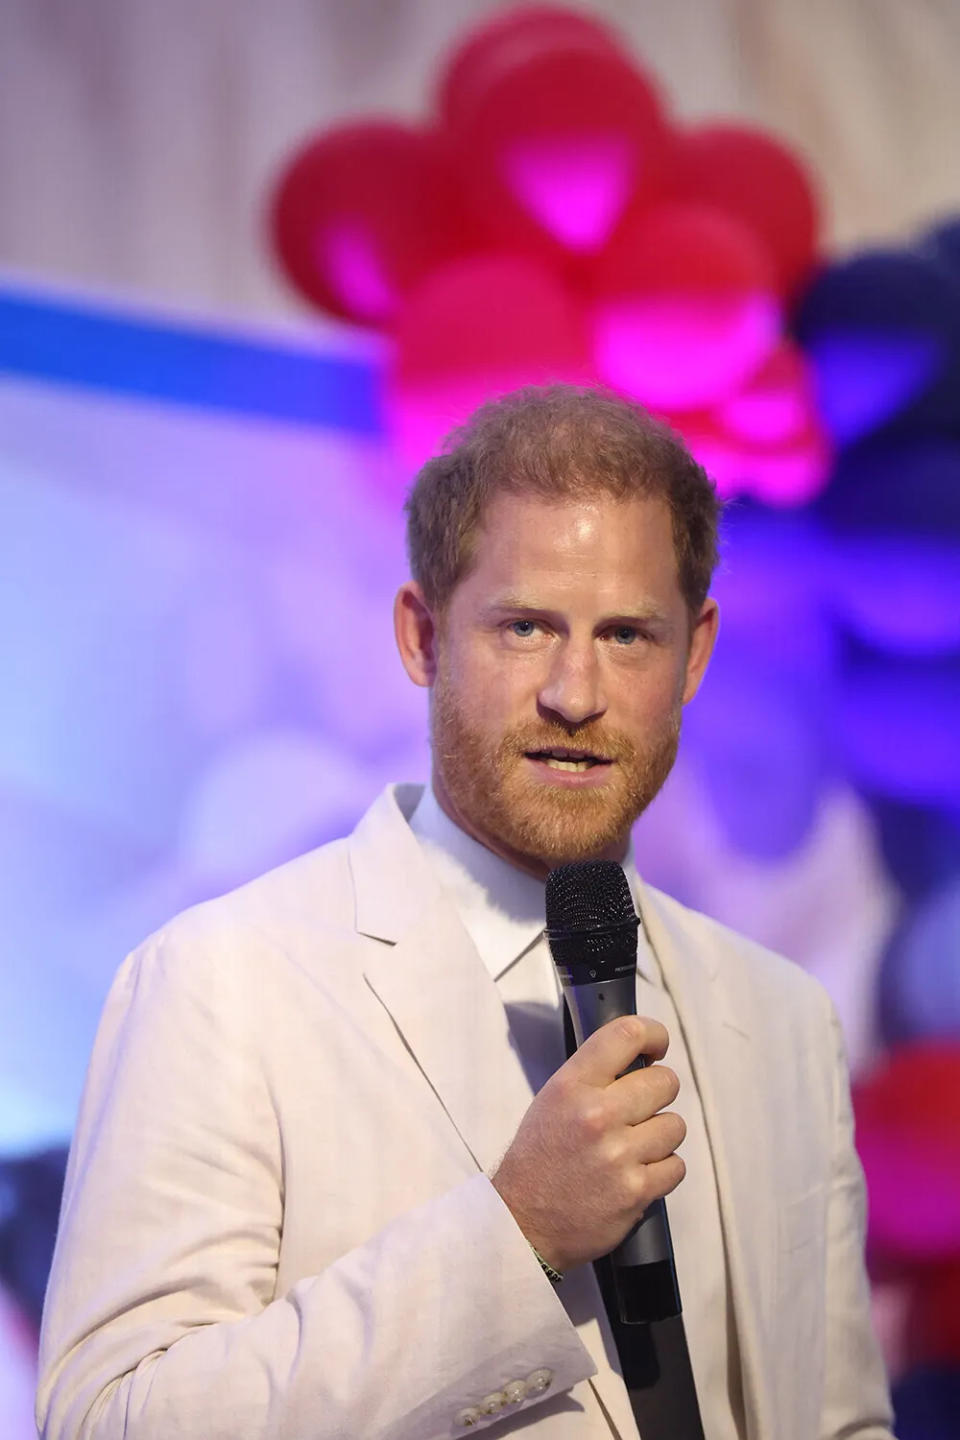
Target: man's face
562,664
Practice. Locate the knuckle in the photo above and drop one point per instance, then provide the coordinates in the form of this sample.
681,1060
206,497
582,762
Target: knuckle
644,1190
618,1155
631,1028
593,1119
560,1086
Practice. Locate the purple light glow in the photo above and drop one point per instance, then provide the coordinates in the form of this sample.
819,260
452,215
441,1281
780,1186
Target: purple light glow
266,796
900,593
575,186
898,728
680,352
923,979
756,736
929,1227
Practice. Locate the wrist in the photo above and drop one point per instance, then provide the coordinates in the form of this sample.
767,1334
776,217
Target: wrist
551,1272
552,1263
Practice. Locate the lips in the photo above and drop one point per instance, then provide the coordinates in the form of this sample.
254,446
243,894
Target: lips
564,758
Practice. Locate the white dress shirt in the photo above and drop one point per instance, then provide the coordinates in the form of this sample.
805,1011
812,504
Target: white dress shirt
502,909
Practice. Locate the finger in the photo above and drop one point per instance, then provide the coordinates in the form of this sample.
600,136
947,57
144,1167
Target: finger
659,1137
661,1177
641,1093
610,1050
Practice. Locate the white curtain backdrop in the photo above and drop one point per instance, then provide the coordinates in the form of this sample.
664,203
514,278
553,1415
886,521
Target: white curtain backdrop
138,138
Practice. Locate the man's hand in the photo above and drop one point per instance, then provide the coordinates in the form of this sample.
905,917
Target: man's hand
592,1151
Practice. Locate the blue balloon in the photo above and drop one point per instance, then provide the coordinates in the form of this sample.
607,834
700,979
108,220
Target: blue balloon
896,483
883,333
943,243
919,988
920,844
30,1190
897,592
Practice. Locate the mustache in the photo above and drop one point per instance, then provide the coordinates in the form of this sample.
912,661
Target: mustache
597,740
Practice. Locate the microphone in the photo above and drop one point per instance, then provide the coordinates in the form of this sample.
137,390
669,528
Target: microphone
592,929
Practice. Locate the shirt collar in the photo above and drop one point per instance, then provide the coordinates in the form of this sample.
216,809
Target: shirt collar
502,908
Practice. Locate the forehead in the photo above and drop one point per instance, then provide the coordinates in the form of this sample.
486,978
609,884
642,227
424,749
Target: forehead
596,542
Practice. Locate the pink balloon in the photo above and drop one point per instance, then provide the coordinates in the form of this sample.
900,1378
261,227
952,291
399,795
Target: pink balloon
775,405
684,310
764,440
475,328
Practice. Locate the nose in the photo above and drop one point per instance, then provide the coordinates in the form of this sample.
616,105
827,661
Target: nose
573,691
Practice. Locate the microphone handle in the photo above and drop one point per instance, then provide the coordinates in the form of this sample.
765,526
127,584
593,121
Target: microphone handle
644,1274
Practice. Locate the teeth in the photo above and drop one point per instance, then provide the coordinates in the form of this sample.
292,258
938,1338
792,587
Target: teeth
556,764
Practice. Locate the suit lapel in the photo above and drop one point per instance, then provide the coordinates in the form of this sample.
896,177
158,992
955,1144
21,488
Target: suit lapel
436,988
722,1057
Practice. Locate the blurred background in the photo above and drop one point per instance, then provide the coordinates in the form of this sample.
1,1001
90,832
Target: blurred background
256,261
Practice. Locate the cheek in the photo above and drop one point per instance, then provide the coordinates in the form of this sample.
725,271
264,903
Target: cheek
491,683
646,697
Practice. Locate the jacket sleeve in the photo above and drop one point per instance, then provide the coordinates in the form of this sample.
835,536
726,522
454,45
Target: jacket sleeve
856,1397
162,1317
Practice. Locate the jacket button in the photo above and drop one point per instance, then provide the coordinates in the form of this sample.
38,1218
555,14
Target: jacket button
515,1391
490,1404
539,1381
465,1418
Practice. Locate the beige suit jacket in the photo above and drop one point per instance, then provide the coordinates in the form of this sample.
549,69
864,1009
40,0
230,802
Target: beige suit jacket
278,1220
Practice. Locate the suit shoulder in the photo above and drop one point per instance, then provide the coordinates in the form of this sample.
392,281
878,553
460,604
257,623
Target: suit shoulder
309,896
746,960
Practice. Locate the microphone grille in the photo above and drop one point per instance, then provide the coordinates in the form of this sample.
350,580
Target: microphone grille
588,895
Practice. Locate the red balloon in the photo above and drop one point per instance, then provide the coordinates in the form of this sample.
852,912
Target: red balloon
362,213
491,50
554,150
756,179
684,310
908,1135
477,327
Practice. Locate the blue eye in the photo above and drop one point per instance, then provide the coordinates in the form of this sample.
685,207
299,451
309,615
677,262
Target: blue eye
523,628
624,635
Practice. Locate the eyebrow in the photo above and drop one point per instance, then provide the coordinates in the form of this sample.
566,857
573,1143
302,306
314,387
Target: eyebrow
645,613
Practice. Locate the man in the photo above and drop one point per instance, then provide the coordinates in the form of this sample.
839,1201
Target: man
331,1157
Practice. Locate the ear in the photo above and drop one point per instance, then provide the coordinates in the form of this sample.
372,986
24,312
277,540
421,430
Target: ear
416,632
702,640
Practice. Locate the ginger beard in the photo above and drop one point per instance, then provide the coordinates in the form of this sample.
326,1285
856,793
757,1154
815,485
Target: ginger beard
490,790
